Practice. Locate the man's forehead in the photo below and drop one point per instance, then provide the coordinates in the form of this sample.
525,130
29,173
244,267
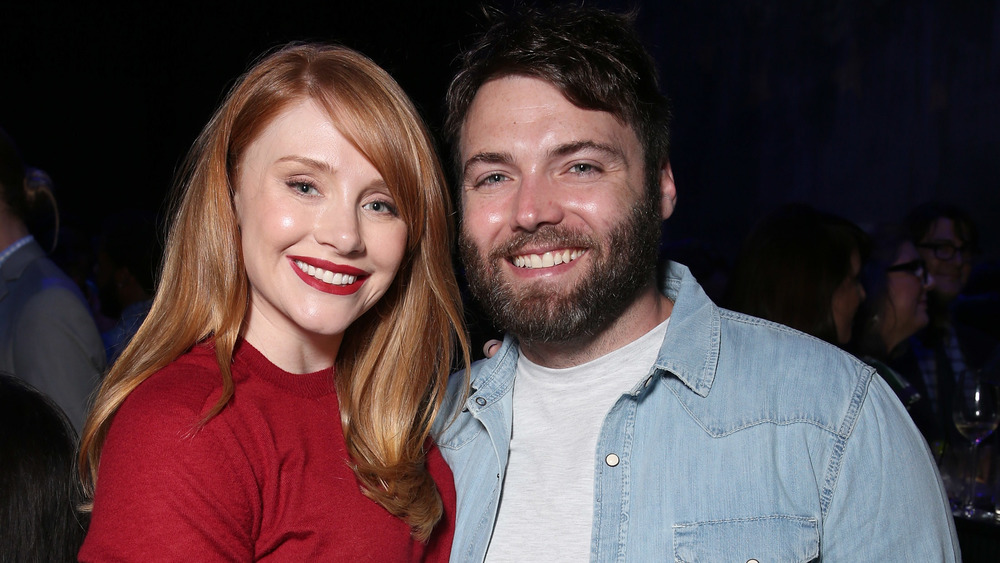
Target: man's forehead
517,109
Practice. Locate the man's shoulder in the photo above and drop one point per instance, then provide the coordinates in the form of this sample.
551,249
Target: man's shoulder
488,384
781,343
768,372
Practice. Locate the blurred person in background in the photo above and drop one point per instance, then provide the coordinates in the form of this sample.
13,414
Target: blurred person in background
47,334
800,267
948,241
128,261
896,282
39,492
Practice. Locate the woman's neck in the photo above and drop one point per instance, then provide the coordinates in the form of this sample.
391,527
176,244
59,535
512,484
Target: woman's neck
295,353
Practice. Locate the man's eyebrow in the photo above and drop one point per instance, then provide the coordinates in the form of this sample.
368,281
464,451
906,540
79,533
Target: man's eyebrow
567,149
488,158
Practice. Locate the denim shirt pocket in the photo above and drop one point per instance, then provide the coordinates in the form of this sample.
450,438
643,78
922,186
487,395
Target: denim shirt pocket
763,539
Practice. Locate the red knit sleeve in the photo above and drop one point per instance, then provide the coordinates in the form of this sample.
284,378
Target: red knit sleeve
439,546
165,492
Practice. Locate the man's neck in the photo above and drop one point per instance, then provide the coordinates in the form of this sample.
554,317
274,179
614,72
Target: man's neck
12,229
649,309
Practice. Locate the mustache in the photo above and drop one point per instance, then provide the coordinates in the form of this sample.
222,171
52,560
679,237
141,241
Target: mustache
551,235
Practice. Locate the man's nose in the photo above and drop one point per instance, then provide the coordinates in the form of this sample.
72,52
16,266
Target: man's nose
535,204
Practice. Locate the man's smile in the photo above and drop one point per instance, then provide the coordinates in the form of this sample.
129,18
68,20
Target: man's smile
547,259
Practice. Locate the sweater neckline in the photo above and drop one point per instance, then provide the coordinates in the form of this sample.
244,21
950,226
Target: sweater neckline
310,385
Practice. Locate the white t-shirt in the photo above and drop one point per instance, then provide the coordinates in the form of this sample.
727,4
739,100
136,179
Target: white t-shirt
547,504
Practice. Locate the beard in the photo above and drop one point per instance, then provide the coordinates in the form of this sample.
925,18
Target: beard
622,264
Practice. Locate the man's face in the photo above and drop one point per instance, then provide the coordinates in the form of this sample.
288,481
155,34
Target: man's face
558,232
948,257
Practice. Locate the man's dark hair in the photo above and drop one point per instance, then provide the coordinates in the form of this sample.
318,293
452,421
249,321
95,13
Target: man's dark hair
594,57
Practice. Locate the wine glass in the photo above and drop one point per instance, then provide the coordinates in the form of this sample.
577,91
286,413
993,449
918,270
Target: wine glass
976,412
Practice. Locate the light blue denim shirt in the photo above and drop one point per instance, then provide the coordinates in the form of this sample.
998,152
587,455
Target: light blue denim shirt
747,440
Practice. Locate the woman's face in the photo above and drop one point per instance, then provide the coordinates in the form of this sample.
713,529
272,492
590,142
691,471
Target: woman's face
846,299
321,235
950,274
905,309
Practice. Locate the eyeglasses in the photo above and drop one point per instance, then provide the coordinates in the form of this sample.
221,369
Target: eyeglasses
945,250
916,268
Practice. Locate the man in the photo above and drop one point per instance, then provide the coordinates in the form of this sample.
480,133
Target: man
47,335
616,423
948,241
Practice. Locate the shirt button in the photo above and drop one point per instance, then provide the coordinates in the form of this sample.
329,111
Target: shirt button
481,401
752,561
612,460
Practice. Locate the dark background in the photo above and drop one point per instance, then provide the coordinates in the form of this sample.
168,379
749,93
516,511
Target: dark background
861,108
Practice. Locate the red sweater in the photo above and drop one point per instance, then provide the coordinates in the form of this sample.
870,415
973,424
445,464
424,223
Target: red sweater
265,480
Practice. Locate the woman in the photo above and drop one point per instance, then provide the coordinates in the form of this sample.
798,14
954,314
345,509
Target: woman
299,342
799,267
897,285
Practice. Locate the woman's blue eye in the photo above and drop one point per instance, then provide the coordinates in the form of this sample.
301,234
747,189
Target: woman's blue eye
304,188
381,207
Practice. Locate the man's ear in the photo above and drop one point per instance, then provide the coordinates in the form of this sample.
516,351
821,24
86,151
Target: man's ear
668,192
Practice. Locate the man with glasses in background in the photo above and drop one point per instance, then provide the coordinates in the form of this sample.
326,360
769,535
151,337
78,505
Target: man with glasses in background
947,240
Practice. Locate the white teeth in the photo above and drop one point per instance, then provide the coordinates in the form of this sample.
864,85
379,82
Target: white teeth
326,276
548,259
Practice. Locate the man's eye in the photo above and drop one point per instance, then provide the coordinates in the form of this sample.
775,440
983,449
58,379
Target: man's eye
583,168
489,179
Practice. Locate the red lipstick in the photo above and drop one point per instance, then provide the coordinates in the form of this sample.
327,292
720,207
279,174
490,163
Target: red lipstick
320,285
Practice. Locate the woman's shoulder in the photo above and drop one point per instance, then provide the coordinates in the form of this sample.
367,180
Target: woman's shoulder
183,388
161,463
